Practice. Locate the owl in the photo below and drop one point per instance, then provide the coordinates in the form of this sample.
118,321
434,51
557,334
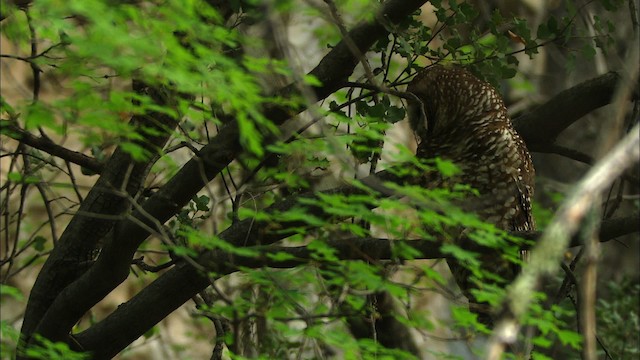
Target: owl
463,119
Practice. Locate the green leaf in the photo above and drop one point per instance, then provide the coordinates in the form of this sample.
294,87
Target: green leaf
5,107
404,250
250,137
538,356
184,251
39,243
588,51
446,167
19,178
6,290
466,319
45,349
462,255
469,11
552,25
301,214
137,152
151,332
197,238
14,176
312,80
572,338
377,110
508,73
202,202
394,114
542,342
280,256
433,274
38,115
322,251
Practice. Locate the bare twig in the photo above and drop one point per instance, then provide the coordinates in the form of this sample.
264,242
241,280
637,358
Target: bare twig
337,19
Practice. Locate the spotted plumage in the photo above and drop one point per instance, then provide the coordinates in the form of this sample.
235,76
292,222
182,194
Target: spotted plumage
463,119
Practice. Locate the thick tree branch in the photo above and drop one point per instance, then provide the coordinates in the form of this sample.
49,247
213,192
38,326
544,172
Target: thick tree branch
11,130
546,122
371,249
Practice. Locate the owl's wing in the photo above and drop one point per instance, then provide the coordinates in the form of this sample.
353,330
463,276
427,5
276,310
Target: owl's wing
523,218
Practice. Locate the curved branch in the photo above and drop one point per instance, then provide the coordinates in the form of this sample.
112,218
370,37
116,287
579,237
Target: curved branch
371,249
553,148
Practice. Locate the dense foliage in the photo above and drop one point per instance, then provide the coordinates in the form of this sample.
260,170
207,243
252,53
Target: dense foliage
212,152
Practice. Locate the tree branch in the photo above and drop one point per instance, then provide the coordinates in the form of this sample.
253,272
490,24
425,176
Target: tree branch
546,122
11,130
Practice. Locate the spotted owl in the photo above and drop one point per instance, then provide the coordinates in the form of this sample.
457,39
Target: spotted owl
463,119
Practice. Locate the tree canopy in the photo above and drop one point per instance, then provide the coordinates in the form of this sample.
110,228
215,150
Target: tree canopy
243,170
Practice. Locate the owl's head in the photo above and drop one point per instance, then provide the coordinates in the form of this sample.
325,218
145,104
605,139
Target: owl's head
451,100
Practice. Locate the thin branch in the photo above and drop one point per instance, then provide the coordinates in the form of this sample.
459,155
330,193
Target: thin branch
151,268
355,51
553,148
35,69
588,285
